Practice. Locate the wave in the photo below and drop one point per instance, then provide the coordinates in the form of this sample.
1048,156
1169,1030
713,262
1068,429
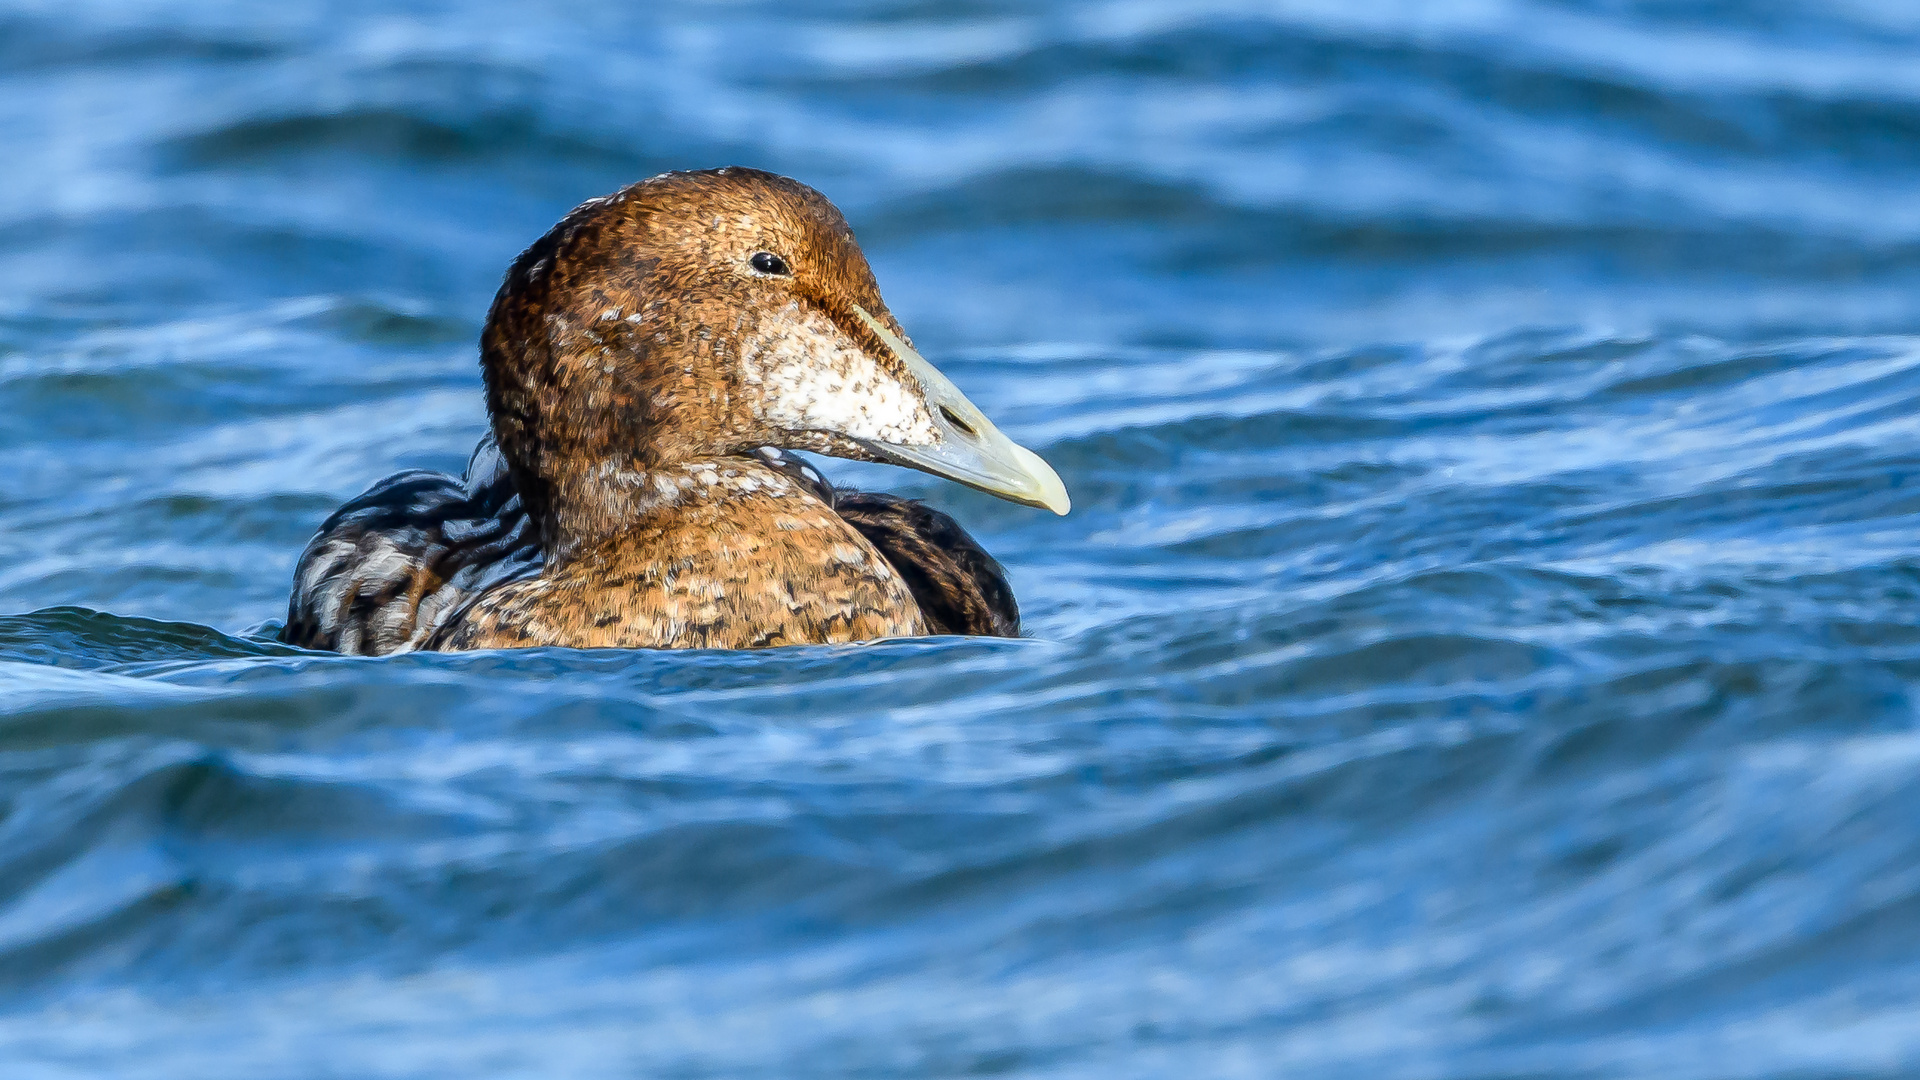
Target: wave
1481,645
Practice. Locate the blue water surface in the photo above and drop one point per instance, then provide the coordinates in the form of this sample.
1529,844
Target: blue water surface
1485,642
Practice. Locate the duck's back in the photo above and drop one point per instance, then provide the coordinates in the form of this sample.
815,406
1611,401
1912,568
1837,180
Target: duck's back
403,565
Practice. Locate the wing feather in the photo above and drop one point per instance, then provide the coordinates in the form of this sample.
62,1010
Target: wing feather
391,566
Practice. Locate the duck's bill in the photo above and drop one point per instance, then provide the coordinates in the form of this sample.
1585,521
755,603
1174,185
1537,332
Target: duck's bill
970,449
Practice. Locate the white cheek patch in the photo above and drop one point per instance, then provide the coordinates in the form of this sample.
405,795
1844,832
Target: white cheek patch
812,378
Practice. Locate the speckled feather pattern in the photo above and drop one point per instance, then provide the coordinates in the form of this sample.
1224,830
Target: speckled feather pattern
804,378
753,560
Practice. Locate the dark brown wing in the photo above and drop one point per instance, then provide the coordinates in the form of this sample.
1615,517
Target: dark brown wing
389,567
960,588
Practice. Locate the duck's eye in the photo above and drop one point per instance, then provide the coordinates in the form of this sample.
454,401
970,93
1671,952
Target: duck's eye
767,262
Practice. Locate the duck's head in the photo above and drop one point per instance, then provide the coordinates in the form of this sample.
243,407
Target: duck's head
705,314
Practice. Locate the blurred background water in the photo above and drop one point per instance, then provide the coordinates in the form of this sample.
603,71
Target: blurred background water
1484,644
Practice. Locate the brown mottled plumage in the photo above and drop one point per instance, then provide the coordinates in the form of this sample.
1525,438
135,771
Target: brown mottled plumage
643,362
756,561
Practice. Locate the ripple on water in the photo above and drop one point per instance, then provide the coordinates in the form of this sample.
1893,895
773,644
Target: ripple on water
1483,644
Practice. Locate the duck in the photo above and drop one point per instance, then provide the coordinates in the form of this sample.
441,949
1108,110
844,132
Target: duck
654,365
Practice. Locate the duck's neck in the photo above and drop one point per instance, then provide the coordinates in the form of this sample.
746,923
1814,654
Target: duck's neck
598,507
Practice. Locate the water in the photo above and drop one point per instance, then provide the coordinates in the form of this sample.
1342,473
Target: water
1484,644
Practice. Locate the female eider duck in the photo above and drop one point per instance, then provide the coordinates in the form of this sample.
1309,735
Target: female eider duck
647,361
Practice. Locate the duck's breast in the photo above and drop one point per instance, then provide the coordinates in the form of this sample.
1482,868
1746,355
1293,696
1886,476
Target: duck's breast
752,560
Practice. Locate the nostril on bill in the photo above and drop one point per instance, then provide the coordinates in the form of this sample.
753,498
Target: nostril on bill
954,419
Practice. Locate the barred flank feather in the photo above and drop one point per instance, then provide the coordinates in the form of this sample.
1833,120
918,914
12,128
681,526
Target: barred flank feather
390,567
